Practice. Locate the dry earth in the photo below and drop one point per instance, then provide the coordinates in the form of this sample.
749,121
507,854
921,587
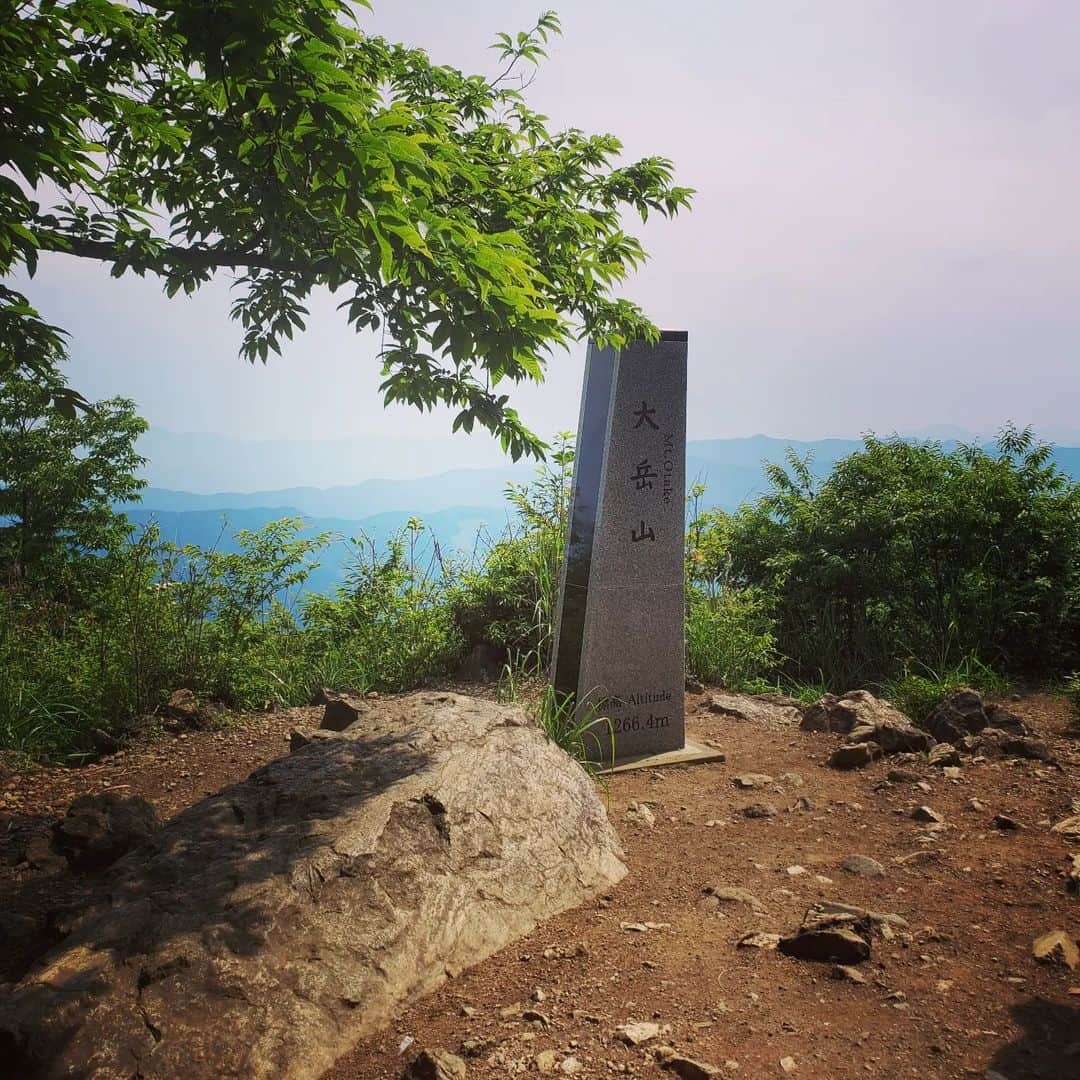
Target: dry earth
957,994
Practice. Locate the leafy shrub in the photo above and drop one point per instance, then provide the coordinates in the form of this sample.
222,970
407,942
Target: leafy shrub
918,693
908,551
389,624
729,639
509,599
1072,693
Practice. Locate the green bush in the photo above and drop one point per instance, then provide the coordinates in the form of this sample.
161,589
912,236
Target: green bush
911,552
389,626
1072,693
917,693
729,639
509,599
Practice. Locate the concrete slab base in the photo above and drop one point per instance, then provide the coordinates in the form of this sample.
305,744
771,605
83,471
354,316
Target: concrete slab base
692,753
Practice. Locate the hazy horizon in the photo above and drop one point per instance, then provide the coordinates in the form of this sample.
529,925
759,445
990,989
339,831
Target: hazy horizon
208,464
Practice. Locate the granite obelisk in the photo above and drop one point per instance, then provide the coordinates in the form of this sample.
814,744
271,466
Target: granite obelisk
619,625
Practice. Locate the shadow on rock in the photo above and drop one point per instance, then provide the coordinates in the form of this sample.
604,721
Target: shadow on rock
266,928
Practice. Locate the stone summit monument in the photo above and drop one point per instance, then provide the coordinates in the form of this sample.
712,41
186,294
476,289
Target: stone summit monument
619,625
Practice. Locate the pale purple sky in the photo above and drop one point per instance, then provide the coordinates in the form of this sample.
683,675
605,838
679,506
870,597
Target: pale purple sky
886,233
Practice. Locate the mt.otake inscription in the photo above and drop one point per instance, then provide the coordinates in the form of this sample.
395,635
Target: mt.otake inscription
620,624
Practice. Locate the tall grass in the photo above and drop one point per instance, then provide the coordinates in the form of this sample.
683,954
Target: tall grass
920,689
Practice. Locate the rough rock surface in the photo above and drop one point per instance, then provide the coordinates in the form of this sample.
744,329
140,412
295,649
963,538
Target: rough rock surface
770,710
864,718
342,711
830,936
265,929
98,829
182,710
840,714
854,756
436,1065
961,713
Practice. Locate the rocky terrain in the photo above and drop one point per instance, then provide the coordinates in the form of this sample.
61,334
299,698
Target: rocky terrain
899,910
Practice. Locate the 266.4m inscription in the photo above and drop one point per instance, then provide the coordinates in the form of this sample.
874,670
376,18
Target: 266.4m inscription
638,723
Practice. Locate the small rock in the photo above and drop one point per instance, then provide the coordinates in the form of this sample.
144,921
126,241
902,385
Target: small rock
1056,947
546,1061
757,939
98,829
640,814
863,866
1072,875
902,776
694,686
436,1065
183,707
1005,823
849,974
104,742
855,756
1069,828
924,813
787,1064
839,938
879,920
962,713
636,1032
759,810
683,1067
943,754
341,712
570,1066
752,780
795,870
733,894
952,772
1023,746
475,1047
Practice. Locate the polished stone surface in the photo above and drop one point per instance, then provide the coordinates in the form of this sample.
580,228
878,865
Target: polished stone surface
621,614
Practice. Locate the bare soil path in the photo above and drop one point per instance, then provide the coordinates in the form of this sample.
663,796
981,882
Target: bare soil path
955,994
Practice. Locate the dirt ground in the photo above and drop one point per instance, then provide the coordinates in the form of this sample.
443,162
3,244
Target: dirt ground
955,994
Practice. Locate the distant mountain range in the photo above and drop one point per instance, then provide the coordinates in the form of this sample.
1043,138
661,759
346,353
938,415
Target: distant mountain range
461,507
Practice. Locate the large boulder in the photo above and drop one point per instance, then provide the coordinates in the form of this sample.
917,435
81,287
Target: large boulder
267,928
864,718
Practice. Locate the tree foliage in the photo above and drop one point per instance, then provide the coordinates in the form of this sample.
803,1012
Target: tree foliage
59,478
911,555
278,141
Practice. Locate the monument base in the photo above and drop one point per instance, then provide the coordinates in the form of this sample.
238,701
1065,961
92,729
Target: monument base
691,753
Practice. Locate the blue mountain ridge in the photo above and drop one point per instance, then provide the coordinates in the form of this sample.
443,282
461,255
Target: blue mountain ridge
464,509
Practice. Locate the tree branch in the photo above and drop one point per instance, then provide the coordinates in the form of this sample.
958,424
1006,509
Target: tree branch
193,258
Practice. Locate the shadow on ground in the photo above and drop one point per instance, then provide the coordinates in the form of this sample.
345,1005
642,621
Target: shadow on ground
1049,1049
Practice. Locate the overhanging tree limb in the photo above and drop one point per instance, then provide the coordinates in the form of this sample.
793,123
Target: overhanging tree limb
274,138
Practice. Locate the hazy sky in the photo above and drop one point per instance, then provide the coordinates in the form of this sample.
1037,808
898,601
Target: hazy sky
886,233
